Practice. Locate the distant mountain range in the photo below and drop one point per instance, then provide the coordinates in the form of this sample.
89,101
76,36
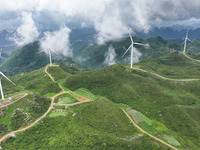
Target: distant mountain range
88,35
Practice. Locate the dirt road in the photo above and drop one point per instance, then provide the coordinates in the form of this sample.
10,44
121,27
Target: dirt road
157,139
165,78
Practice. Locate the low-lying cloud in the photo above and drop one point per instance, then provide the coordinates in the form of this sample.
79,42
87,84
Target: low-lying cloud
110,56
27,32
58,41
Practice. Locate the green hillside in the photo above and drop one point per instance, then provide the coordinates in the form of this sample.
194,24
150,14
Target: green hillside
166,109
154,97
25,60
176,66
35,81
94,56
96,125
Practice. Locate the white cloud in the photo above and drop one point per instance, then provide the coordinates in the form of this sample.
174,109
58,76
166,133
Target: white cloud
110,56
58,41
27,32
111,17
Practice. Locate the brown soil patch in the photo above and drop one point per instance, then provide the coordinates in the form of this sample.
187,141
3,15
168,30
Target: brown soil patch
84,99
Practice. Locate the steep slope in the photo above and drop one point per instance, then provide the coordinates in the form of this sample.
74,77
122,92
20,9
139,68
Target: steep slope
171,102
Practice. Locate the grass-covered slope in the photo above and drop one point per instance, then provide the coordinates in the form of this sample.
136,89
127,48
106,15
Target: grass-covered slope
99,124
152,96
176,66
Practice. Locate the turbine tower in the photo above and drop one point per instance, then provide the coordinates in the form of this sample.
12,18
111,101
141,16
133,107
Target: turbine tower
131,47
49,51
2,95
185,42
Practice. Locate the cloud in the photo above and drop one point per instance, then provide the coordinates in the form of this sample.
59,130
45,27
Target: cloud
110,56
27,32
58,41
136,56
111,18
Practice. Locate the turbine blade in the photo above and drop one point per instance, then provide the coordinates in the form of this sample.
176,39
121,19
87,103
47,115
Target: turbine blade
140,44
186,34
127,50
130,35
7,78
40,52
54,51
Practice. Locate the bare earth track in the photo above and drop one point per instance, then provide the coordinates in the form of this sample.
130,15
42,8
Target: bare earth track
155,138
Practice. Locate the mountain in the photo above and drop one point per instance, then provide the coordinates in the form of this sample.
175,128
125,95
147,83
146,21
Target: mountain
171,33
94,56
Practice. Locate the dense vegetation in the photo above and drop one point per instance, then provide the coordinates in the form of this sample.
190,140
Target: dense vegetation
100,124
152,96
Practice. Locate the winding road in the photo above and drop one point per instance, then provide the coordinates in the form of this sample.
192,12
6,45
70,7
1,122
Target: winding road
165,78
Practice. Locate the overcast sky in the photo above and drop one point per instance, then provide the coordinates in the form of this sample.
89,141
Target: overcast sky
110,18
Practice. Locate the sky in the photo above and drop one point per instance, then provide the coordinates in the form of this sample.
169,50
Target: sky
110,18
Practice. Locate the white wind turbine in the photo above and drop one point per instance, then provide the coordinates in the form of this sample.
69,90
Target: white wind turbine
49,51
185,42
2,95
131,47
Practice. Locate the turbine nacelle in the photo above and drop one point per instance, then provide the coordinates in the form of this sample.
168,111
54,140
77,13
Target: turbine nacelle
49,51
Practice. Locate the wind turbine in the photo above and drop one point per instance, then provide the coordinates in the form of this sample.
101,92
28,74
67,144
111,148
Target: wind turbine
2,95
49,51
131,47
185,42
